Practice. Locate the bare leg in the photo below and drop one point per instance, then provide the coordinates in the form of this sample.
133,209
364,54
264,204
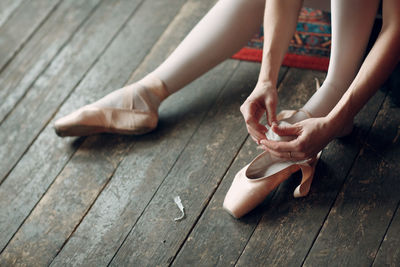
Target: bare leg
223,31
350,35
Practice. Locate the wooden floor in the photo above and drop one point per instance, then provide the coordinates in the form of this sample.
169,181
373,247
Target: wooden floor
108,199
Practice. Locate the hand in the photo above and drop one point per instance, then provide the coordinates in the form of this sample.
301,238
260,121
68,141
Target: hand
311,136
263,99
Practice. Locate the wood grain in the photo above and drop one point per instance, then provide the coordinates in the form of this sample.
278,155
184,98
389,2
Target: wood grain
55,216
27,183
289,226
40,50
365,206
216,228
136,180
59,79
48,155
108,199
389,253
17,29
7,8
141,173
155,238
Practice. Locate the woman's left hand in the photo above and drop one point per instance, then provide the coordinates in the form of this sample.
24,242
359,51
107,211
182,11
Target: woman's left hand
311,136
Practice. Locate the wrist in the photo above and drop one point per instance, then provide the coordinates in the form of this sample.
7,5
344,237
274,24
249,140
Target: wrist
266,83
269,71
338,124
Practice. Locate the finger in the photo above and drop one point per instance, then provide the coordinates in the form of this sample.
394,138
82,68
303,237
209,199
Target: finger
262,147
254,139
281,146
251,114
287,130
251,111
256,135
271,112
258,127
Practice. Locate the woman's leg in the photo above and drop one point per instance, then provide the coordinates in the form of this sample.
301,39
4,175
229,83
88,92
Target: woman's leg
352,21
219,34
224,30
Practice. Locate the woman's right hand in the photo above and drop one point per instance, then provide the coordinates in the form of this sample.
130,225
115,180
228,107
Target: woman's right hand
263,99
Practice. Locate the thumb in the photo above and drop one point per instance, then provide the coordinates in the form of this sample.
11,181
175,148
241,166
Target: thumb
287,130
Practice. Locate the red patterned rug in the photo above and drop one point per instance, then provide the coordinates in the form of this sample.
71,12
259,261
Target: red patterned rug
309,47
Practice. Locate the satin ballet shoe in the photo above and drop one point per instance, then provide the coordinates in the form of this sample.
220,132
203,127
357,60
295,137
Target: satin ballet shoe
95,118
255,181
90,120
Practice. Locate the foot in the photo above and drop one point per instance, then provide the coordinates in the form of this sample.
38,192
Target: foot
130,110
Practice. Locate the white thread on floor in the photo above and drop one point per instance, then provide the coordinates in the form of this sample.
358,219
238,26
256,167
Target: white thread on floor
178,202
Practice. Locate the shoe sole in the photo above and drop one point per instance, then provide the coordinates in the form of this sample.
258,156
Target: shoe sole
84,130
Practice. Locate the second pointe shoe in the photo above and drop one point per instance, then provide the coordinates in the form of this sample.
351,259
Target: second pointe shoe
254,182
130,110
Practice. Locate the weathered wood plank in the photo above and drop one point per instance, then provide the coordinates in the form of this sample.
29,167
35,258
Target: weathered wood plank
20,26
155,238
216,228
7,7
26,183
357,223
109,221
38,52
117,209
288,226
55,216
389,253
53,86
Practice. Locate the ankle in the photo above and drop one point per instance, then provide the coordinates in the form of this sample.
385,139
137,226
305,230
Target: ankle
300,115
155,86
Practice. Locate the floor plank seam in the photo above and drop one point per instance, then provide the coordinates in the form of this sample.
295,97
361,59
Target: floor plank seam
88,210
150,51
387,229
48,64
266,204
209,199
177,158
33,208
286,70
55,112
97,58
10,15
74,87
362,145
272,194
30,36
67,97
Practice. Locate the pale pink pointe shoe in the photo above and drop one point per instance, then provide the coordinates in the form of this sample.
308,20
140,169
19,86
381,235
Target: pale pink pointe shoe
127,119
255,181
